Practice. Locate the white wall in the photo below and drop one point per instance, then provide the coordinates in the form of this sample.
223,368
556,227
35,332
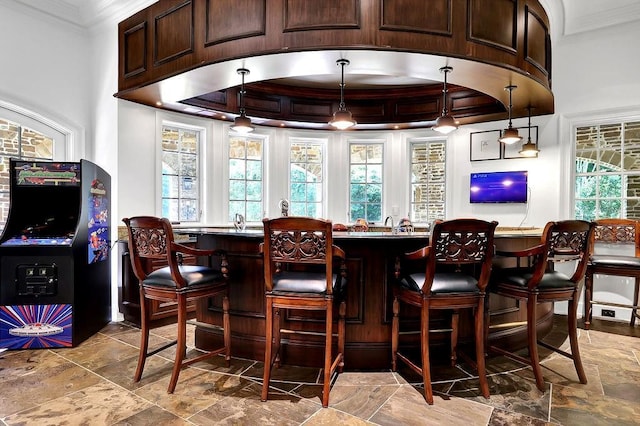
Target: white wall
45,70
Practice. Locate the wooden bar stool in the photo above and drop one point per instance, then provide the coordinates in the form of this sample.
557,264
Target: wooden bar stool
610,233
562,241
299,274
152,238
458,266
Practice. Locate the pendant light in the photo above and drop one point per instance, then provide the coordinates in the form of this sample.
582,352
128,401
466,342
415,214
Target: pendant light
529,149
510,135
242,123
342,118
445,124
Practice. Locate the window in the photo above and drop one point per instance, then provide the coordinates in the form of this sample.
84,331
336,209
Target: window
180,174
608,171
365,181
245,177
17,141
306,178
427,180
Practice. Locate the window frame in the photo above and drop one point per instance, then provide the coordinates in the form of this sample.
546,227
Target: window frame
382,142
411,141
322,142
595,122
199,164
264,167
61,136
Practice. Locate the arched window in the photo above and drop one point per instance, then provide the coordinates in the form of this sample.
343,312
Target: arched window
25,135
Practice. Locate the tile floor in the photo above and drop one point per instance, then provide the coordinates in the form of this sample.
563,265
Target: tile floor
91,384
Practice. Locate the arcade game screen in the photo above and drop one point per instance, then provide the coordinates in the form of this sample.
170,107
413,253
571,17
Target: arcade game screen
45,204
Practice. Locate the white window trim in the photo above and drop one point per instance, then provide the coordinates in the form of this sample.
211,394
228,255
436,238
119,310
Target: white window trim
310,140
184,123
424,139
264,136
567,127
63,136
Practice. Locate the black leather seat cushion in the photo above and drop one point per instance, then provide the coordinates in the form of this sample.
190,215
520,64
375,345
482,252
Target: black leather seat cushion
194,276
444,282
521,276
306,282
614,261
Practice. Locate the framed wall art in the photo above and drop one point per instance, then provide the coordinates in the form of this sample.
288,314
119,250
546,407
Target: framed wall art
485,146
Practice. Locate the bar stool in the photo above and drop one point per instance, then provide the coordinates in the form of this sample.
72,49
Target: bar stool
562,241
458,266
151,238
614,233
299,274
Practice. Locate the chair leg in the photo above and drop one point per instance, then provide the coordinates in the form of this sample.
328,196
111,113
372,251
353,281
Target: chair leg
480,355
342,312
326,386
455,319
634,311
572,323
181,347
277,338
268,343
226,324
144,336
395,332
532,334
588,294
424,349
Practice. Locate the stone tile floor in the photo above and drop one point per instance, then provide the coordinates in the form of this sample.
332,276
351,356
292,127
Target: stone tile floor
92,384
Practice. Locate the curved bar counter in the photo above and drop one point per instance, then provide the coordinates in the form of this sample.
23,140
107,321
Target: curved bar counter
370,262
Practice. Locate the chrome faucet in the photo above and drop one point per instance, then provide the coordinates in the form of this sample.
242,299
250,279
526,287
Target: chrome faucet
388,218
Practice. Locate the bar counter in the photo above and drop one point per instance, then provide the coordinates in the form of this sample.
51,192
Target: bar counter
370,264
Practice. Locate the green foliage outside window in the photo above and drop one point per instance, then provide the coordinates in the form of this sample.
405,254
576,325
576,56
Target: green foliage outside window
245,178
365,176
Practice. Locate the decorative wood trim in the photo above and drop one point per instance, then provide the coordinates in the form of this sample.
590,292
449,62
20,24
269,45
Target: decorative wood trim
485,23
130,68
160,57
386,24
226,14
325,20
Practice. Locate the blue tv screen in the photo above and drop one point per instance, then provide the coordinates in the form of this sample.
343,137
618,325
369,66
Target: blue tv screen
498,187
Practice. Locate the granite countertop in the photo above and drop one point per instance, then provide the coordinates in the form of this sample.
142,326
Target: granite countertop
187,233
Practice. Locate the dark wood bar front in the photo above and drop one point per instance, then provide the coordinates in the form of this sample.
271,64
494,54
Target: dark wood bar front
370,262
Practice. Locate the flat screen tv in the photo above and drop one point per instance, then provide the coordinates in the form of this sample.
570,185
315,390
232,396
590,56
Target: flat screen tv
498,187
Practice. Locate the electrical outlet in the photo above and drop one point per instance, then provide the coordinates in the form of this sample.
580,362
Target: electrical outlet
609,313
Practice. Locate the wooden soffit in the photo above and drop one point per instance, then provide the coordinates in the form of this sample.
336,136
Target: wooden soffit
182,55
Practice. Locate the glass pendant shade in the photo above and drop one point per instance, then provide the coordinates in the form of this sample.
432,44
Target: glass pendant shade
242,124
445,124
510,136
529,149
342,119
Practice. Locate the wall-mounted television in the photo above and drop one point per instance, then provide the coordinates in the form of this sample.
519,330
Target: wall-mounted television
498,187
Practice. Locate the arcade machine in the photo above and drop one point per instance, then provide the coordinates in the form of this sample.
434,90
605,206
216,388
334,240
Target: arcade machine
54,270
